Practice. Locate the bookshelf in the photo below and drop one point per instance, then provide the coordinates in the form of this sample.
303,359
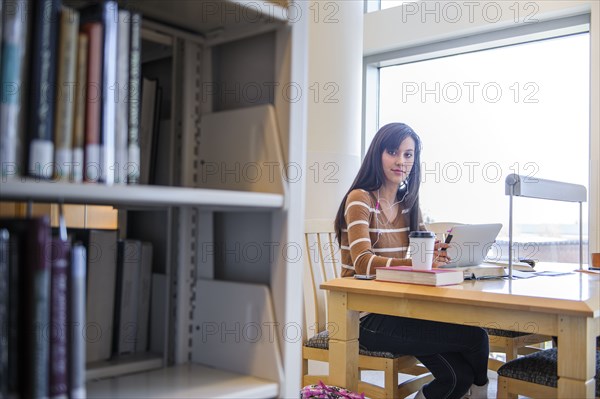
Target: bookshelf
197,48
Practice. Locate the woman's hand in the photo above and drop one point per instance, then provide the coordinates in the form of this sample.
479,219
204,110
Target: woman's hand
440,257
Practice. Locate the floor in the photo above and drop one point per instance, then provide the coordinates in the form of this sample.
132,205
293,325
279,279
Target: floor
376,377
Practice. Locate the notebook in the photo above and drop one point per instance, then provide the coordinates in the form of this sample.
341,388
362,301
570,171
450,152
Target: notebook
471,243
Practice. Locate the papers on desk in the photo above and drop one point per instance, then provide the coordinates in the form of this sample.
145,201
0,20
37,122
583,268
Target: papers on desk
520,274
548,273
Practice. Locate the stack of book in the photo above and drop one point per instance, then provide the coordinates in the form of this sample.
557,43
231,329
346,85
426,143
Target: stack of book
406,274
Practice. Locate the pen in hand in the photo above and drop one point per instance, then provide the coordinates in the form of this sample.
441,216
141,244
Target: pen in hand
448,238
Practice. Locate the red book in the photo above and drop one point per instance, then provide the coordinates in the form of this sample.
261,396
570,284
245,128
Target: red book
406,274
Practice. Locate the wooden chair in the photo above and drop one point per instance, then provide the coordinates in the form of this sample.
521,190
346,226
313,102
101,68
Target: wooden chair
534,375
321,264
511,343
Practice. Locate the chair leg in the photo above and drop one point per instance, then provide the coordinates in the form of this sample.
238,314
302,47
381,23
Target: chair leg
391,379
502,391
304,367
512,350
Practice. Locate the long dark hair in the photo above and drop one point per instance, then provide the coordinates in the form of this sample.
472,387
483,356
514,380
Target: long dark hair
371,176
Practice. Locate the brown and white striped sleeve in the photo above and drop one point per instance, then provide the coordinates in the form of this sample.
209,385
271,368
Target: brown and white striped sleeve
358,255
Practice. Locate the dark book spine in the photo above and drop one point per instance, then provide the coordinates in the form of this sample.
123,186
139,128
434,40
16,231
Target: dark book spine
135,73
58,319
77,322
14,316
42,87
4,295
36,301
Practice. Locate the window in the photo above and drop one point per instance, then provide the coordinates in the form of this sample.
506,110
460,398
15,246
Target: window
482,115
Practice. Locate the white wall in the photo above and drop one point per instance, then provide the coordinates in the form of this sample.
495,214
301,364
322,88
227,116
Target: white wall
417,23
334,103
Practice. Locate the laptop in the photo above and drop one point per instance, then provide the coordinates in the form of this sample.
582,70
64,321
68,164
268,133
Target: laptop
471,243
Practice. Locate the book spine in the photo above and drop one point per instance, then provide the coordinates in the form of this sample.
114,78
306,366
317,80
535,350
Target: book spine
100,306
36,301
13,68
4,298
15,340
77,322
109,91
58,319
1,8
147,118
42,89
135,73
79,114
93,94
128,264
65,96
122,123
143,308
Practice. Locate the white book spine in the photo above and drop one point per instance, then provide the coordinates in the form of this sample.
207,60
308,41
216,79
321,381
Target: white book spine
77,306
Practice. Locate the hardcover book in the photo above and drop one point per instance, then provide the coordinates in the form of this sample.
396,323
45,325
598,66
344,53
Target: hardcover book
106,13
42,88
65,95
406,274
59,356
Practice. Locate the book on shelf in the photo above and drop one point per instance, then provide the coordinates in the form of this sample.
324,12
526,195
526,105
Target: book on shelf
66,93
79,131
77,331
29,311
122,111
144,289
59,356
93,31
135,73
132,307
157,312
406,274
101,285
0,34
4,285
129,256
106,13
42,88
148,111
13,70
80,69
13,331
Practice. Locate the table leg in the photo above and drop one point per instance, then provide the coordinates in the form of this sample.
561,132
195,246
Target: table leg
576,357
343,342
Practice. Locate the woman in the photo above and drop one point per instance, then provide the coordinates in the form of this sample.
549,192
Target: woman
372,226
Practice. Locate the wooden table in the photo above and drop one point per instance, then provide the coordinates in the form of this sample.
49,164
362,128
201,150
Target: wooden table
566,306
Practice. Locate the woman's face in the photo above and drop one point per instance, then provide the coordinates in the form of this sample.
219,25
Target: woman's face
398,163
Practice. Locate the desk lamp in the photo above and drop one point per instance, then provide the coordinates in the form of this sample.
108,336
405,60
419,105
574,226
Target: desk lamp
531,187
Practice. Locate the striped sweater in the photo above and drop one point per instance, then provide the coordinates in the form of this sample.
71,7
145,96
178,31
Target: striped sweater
370,240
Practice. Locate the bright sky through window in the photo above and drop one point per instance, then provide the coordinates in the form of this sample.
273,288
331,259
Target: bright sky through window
483,115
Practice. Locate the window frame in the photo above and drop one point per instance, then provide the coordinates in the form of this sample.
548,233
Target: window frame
495,38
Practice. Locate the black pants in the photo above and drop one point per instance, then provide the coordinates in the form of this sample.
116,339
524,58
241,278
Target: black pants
456,355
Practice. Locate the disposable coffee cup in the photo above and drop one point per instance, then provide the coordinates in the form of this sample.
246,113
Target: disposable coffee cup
422,244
